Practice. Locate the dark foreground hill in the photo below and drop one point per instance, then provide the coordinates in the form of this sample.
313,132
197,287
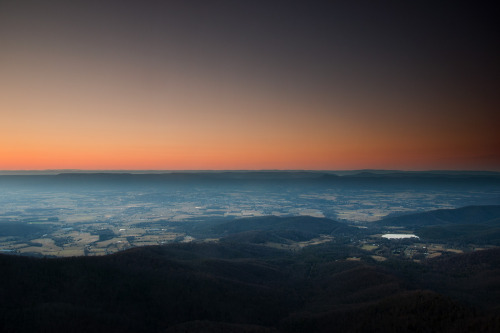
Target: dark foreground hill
235,287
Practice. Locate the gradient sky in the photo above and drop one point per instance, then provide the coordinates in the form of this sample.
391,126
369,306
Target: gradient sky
174,85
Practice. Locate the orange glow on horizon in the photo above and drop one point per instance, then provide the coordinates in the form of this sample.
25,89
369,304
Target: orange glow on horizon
78,109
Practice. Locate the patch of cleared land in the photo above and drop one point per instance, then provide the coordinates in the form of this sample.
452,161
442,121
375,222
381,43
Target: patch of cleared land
299,245
369,247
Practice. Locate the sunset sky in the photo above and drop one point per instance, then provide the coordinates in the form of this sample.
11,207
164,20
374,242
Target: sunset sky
173,85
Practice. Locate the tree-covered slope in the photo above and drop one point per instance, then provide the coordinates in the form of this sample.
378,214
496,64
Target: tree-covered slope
243,287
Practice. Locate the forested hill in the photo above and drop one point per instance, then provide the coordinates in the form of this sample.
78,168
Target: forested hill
302,224
478,225
235,287
469,215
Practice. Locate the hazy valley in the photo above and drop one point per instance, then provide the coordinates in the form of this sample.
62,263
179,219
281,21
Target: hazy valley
250,252
95,214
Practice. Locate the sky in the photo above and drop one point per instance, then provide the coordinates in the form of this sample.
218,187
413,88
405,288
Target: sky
243,85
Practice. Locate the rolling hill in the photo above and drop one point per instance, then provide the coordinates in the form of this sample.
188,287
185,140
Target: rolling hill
473,224
464,215
231,287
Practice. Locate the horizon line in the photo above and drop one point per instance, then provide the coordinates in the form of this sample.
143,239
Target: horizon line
245,170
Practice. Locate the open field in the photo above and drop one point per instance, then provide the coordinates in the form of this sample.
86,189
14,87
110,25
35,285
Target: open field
97,219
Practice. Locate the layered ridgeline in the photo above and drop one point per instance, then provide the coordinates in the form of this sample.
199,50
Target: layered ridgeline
85,180
264,274
473,224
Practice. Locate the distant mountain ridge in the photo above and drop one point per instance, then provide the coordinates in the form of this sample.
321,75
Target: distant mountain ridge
336,172
313,178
